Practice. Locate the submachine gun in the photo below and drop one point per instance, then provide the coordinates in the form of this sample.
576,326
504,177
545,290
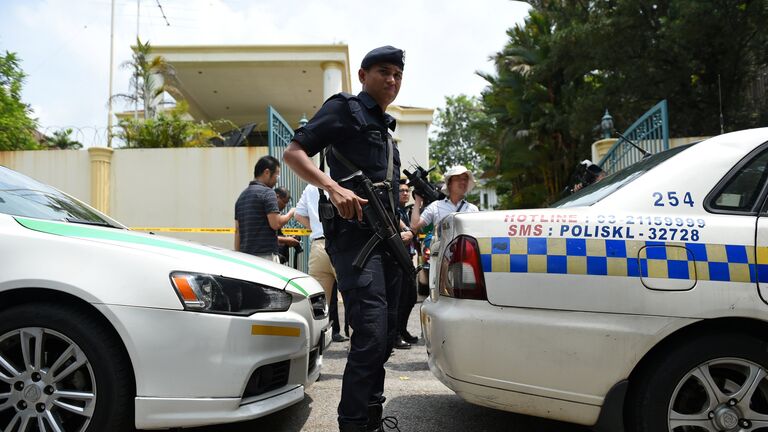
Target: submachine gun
384,230
421,186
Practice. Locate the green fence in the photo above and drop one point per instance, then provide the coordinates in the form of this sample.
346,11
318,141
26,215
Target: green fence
280,134
650,132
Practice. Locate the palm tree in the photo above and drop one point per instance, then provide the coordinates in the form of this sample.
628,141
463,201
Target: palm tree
61,141
149,80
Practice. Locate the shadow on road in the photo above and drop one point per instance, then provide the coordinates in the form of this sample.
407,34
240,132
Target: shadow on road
291,419
431,412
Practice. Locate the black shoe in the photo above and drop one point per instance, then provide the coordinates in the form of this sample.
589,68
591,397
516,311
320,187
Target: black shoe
376,423
401,344
374,418
411,339
338,337
352,427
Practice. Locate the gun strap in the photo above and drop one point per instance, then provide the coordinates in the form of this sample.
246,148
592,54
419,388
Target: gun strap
323,198
387,183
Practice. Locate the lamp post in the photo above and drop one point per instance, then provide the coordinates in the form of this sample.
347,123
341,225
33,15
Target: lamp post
111,67
606,125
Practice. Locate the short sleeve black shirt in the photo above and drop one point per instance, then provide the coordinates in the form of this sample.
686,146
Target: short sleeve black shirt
251,209
362,143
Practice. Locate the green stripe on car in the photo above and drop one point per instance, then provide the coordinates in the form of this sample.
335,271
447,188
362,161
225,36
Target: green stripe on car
88,232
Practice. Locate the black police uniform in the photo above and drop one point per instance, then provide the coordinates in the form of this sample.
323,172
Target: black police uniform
371,294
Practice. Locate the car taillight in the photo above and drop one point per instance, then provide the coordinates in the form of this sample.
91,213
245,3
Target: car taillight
461,274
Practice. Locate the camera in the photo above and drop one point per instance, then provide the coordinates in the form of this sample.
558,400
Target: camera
298,249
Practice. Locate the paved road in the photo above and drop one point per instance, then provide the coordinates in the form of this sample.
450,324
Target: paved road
419,401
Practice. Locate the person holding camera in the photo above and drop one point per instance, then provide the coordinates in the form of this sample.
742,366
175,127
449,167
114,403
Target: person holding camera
458,183
284,243
363,161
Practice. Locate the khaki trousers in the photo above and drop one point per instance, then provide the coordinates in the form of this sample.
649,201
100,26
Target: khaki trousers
320,267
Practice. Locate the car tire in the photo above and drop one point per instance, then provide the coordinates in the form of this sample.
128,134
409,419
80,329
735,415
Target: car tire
60,367
711,382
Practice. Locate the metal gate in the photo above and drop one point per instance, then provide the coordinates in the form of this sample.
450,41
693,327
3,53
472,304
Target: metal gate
280,134
651,132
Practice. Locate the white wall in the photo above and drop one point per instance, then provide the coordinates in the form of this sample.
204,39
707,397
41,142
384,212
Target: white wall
170,188
66,170
182,188
413,145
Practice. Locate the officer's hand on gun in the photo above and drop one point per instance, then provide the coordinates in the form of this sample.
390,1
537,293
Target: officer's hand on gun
347,203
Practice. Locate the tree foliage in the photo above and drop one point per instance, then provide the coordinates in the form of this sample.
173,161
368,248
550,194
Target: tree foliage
61,140
458,134
169,128
150,78
572,59
16,124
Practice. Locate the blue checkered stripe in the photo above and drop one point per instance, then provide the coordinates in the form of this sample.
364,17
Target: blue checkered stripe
605,257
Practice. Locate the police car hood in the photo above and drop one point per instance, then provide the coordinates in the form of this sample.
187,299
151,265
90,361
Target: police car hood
179,255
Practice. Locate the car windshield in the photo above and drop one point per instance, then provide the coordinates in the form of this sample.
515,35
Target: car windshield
23,196
599,190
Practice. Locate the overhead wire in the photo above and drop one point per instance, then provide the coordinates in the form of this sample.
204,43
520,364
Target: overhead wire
163,13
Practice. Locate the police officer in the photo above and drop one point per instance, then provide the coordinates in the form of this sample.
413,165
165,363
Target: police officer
354,130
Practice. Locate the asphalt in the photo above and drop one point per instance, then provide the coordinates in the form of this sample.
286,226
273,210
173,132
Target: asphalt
415,397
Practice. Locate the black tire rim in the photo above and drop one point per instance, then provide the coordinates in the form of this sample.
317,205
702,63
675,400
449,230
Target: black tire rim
46,382
724,394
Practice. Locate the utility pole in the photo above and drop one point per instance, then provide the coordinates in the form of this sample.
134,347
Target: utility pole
111,67
136,90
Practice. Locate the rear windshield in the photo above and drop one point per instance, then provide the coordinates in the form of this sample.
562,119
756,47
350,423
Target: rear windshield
23,196
597,191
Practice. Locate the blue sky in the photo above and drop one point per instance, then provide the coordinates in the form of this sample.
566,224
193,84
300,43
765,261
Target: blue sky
64,44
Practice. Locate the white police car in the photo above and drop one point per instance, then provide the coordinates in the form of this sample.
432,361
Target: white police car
639,303
102,328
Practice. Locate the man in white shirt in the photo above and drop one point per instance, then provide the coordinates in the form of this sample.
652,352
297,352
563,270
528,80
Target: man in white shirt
320,266
458,182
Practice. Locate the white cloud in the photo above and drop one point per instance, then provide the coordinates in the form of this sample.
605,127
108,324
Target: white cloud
64,44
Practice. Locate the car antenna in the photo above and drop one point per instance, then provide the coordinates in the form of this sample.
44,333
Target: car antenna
645,152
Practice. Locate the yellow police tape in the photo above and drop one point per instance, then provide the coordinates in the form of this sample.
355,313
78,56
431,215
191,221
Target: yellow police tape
285,231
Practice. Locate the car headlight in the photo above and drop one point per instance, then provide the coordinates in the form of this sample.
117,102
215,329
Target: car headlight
218,294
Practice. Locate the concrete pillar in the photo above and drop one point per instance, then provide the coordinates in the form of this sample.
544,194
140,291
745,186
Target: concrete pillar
101,172
331,78
601,147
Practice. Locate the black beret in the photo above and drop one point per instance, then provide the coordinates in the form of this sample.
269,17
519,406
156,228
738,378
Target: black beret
385,54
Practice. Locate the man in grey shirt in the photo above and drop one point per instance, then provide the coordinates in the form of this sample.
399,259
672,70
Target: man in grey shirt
257,216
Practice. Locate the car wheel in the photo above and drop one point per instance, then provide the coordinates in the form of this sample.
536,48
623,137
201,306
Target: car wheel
61,370
710,383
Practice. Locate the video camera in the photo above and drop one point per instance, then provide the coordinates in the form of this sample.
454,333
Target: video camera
419,180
